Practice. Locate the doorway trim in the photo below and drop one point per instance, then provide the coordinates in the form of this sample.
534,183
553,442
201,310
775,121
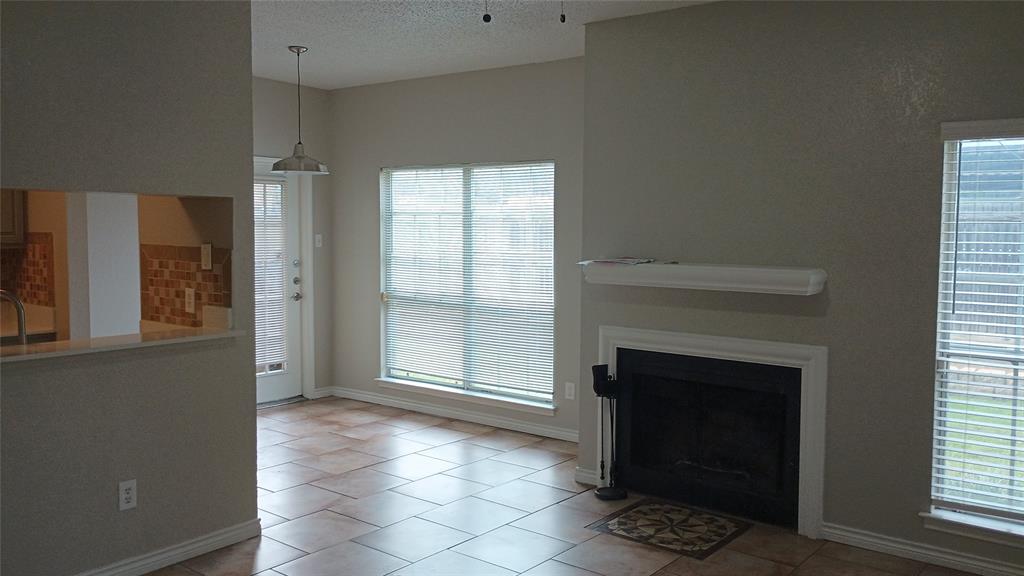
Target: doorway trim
303,184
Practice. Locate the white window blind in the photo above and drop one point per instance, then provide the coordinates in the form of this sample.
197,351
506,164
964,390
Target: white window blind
979,402
269,271
469,277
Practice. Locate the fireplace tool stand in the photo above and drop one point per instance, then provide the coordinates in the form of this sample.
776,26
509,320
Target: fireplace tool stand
607,389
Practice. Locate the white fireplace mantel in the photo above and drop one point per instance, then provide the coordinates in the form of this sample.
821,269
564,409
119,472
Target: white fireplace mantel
728,278
812,362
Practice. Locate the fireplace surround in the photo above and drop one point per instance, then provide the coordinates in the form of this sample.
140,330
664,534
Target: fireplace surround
812,362
717,434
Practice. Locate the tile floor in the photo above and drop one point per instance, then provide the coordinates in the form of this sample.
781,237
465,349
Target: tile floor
348,488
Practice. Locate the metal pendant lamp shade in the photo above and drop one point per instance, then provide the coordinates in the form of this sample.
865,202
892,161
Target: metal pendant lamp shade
298,162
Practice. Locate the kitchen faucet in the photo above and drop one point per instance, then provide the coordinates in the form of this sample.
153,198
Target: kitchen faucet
20,308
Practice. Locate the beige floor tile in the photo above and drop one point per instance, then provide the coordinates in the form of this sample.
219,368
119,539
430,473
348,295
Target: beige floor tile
267,519
441,489
489,472
461,452
264,422
299,501
350,404
352,417
512,548
319,408
448,563
528,496
277,454
269,437
560,476
318,531
286,475
473,515
558,446
588,502
561,522
283,413
320,443
389,411
413,539
612,556
504,440
414,466
345,559
884,562
414,421
383,508
825,566
309,427
340,461
727,563
556,568
262,491
360,483
532,457
470,427
249,557
775,544
389,446
367,431
436,435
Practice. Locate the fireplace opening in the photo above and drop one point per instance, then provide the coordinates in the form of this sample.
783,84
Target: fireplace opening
717,434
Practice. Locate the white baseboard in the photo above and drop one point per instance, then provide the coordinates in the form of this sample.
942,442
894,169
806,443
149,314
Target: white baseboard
587,476
319,393
157,559
921,552
458,413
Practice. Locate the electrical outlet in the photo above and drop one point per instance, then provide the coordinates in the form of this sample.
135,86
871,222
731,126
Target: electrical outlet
127,495
190,300
570,390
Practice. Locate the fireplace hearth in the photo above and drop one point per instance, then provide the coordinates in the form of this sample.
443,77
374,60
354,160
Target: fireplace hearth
717,434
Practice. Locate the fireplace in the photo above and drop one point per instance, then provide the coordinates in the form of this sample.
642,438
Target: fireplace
805,401
718,434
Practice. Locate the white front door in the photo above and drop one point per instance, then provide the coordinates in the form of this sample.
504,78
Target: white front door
278,289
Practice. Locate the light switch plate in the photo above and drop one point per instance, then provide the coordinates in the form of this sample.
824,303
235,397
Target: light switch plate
570,390
190,300
318,240
206,255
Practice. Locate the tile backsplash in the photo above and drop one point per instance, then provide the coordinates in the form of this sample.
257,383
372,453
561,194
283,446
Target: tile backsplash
168,270
27,269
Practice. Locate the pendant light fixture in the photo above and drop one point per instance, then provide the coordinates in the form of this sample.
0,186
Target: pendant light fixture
298,162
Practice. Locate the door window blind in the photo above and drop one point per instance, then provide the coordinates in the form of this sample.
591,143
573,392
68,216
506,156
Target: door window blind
469,277
979,402
269,271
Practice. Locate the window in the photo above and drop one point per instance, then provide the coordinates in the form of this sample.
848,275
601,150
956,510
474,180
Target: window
469,277
269,270
978,464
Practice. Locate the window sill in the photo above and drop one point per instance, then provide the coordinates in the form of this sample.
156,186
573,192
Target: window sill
61,348
976,526
467,396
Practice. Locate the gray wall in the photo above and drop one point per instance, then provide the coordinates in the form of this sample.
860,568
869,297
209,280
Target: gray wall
152,98
532,112
802,134
274,133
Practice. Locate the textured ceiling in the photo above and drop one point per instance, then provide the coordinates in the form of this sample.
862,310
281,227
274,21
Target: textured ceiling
365,42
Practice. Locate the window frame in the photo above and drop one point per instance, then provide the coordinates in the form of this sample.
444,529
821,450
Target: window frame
944,514
465,392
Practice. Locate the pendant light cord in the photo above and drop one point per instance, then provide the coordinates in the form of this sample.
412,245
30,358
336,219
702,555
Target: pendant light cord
298,90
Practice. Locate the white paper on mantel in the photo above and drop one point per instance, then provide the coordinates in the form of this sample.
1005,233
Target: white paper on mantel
623,261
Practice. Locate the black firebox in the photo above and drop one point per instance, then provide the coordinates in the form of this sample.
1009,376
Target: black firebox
717,434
